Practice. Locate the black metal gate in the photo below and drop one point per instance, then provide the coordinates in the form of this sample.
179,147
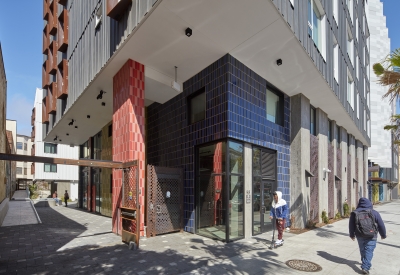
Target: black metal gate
164,200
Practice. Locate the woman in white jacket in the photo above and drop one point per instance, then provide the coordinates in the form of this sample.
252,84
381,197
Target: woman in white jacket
279,211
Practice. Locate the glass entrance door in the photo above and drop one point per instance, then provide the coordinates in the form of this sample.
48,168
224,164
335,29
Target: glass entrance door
264,184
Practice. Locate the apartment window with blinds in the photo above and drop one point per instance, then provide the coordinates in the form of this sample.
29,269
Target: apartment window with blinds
350,90
274,107
49,167
19,170
50,148
315,23
19,145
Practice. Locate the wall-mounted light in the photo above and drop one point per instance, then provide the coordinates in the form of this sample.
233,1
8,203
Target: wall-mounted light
88,116
67,134
100,95
326,170
55,138
72,122
279,62
103,104
168,195
60,140
188,32
76,127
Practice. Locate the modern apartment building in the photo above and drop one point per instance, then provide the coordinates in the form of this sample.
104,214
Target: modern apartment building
24,174
242,97
383,154
60,177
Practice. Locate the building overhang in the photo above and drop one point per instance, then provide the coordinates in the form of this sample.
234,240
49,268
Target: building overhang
254,33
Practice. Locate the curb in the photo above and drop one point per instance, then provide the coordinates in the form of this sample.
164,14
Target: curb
34,210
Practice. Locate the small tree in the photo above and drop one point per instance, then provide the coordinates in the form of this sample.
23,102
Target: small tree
346,210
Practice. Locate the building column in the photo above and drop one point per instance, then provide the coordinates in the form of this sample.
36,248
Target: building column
299,160
322,133
248,190
334,172
128,132
345,170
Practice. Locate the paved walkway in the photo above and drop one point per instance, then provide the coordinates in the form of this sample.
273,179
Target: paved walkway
21,210
71,241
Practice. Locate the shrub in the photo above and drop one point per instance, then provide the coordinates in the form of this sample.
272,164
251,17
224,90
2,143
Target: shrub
324,217
338,216
310,224
346,210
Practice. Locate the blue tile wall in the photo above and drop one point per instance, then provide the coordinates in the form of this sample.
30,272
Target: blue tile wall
235,107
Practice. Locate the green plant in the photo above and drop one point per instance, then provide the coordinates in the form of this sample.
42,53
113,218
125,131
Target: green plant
310,224
33,191
324,217
346,210
353,208
338,216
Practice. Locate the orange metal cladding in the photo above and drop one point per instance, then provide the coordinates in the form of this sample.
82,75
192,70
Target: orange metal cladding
45,75
52,97
45,9
45,39
53,56
62,79
53,20
62,32
217,165
45,115
33,116
116,7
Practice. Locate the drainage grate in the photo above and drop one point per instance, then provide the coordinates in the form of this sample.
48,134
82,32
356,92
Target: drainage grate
303,265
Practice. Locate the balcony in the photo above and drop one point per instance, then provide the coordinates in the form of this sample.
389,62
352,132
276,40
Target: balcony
45,10
116,8
33,134
33,117
53,55
32,168
62,34
45,74
45,114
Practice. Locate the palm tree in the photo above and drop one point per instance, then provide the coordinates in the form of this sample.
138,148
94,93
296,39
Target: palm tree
389,74
394,127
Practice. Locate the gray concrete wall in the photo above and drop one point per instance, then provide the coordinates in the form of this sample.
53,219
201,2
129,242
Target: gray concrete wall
343,145
300,159
248,186
334,143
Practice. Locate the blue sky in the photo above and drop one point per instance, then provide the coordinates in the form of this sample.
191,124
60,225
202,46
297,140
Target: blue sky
21,42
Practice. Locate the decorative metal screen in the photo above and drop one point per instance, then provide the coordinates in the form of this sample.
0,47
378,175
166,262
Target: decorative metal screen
164,200
130,187
331,182
314,207
339,183
349,181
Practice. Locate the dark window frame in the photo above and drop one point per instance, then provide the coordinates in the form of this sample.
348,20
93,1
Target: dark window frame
280,117
313,130
21,145
189,105
110,129
50,146
330,128
50,165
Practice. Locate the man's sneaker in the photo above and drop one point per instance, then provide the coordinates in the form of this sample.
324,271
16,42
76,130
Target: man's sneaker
365,271
278,242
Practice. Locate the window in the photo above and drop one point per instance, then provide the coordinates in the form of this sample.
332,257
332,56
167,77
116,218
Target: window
358,105
50,148
337,135
19,145
330,134
335,59
110,130
99,14
25,146
25,171
348,143
367,98
350,90
335,10
48,167
19,170
365,119
274,107
350,8
349,44
316,24
368,126
312,121
357,28
197,106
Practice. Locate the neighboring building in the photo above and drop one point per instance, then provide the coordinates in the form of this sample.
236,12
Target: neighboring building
24,174
383,153
3,139
246,114
60,177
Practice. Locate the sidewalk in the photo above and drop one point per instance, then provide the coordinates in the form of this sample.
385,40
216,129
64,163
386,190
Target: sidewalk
71,241
21,210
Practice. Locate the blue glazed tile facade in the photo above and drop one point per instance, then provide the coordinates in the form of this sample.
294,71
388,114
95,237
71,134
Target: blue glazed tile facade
235,108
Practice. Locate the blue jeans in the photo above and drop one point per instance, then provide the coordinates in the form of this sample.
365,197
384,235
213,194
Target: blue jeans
367,246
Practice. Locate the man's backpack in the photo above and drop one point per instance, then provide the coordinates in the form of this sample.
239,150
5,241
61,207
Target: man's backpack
365,223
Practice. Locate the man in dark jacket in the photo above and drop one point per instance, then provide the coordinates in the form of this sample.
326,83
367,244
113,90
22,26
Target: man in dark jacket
366,245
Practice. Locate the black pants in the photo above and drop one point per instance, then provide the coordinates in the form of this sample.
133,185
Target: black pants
66,202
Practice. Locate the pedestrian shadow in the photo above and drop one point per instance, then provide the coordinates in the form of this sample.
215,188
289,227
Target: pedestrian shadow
332,258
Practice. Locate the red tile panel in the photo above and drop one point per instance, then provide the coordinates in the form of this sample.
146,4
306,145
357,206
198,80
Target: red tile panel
128,131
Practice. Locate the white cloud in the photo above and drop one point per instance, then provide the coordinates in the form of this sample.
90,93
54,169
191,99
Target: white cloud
19,108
